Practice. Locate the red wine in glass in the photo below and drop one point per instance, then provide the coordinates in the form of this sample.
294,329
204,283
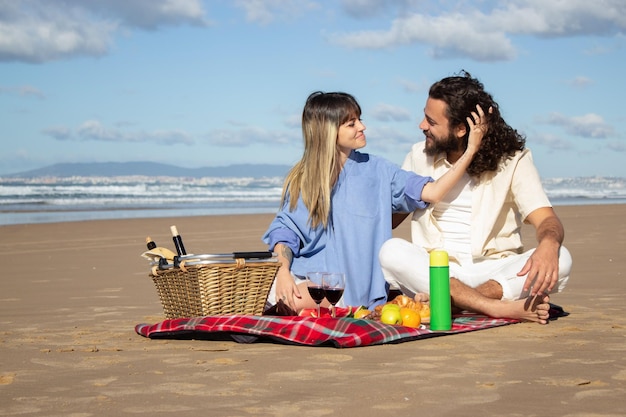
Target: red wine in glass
334,284
315,285
317,293
333,294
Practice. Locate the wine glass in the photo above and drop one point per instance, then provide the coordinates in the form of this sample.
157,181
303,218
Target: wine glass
315,285
334,284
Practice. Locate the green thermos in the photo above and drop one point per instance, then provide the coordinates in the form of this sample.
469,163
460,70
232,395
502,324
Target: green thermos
440,306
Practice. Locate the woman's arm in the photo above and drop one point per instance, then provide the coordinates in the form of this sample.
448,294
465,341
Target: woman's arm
433,192
286,288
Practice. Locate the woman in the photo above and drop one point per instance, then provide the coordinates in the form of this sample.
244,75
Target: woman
337,203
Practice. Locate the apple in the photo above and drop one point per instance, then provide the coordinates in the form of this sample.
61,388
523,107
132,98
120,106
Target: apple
389,306
391,316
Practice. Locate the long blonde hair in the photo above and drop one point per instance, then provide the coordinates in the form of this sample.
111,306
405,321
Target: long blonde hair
314,176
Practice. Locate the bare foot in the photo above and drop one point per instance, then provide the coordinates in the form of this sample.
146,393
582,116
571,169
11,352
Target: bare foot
534,309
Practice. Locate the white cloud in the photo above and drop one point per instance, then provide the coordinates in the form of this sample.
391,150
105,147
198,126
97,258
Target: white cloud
597,50
23,91
580,82
363,8
294,121
448,36
412,87
389,139
554,142
267,11
562,18
147,14
617,146
486,35
38,31
374,8
388,113
93,130
59,132
249,136
588,126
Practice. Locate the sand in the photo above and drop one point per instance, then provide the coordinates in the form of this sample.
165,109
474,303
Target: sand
71,294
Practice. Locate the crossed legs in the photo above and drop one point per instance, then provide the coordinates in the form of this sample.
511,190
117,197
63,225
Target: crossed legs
405,266
486,299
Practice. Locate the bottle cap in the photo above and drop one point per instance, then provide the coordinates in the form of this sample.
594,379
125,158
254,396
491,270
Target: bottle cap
439,258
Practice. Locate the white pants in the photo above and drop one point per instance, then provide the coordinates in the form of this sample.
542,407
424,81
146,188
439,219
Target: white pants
406,266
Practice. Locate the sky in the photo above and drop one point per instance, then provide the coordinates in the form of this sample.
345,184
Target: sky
199,83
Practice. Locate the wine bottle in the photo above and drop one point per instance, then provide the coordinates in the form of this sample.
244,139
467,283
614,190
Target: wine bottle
150,243
178,242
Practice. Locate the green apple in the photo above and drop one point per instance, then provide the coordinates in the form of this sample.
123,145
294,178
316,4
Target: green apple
391,316
390,306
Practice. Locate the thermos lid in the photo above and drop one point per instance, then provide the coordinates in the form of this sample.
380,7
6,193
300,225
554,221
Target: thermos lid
438,258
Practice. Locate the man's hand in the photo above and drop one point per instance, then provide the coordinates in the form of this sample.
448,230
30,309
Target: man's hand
542,268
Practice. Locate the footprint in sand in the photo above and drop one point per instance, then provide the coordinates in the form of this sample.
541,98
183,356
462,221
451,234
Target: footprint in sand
620,376
6,379
337,358
571,382
226,361
583,395
102,382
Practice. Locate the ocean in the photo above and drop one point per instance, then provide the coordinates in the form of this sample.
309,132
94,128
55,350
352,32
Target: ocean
49,200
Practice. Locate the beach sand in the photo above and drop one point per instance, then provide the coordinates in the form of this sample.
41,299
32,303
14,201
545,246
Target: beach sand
71,294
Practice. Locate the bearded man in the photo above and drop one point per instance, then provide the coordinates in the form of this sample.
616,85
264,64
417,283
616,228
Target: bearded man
479,221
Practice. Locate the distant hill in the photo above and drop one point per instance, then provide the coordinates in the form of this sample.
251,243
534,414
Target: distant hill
111,169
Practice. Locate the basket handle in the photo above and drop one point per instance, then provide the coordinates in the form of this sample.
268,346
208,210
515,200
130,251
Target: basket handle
238,258
253,255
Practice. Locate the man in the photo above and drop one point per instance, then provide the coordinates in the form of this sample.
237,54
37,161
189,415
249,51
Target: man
479,221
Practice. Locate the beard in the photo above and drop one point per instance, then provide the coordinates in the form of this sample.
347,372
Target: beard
438,145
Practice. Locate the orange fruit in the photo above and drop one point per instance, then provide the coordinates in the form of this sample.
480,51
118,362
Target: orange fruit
410,317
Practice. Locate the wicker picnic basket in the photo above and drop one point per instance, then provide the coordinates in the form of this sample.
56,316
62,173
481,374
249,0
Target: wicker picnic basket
218,284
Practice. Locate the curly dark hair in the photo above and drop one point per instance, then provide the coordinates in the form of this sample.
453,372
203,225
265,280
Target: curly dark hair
461,94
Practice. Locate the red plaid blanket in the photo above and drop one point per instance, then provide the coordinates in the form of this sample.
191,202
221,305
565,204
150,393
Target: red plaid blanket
310,331
342,332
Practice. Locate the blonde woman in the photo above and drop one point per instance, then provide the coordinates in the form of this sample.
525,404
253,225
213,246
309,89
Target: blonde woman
337,203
